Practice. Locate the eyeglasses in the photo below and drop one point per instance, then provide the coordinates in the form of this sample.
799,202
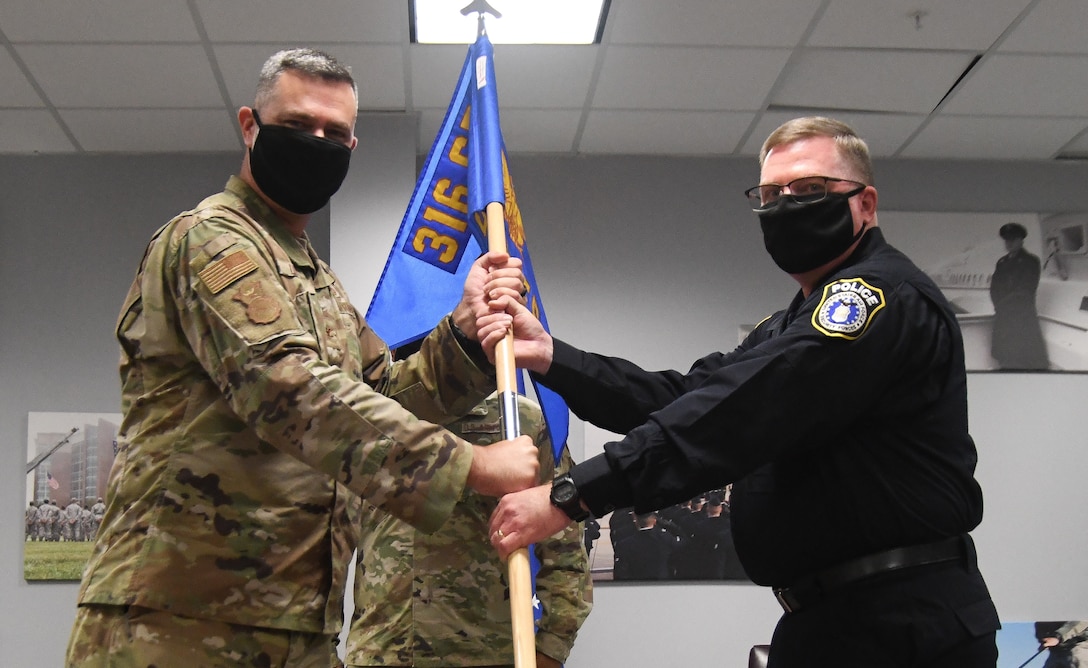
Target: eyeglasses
803,190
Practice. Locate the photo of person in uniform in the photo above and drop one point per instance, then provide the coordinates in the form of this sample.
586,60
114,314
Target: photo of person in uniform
1017,340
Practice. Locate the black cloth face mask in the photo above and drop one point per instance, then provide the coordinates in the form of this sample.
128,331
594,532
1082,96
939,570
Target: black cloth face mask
297,170
801,236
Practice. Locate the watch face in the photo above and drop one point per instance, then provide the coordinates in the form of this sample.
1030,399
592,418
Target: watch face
563,491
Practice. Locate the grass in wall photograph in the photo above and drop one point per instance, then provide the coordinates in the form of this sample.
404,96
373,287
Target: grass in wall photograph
55,561
69,456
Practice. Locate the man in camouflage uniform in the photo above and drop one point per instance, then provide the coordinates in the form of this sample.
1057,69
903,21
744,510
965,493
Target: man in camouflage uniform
97,511
52,521
453,607
31,521
259,407
41,531
86,523
71,521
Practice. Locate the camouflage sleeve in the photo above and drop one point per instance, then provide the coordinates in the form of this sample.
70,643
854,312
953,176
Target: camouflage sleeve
563,584
433,384
250,336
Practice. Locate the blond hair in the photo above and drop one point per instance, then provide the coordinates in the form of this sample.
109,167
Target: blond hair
852,148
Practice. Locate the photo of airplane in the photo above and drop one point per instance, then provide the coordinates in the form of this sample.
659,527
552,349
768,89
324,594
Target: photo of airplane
1061,299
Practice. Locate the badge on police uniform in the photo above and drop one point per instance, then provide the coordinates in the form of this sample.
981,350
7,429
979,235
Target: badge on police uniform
847,307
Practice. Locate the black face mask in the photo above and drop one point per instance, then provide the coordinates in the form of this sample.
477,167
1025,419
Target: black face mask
297,170
801,236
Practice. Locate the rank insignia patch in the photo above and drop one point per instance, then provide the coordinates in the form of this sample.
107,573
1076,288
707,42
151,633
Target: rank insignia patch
847,308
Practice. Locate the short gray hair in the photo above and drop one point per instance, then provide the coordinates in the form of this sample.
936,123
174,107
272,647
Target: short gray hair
310,62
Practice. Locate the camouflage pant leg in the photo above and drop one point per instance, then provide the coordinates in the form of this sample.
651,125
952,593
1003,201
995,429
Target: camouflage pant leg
108,636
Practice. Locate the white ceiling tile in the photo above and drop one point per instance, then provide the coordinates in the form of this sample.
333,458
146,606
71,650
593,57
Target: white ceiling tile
350,21
378,71
141,76
523,130
156,130
1051,26
863,61
240,65
687,78
884,133
97,21
663,132
872,80
890,24
535,76
710,22
530,76
972,137
1022,85
434,72
17,90
31,131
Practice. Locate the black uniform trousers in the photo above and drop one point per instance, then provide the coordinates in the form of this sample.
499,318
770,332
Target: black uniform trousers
936,616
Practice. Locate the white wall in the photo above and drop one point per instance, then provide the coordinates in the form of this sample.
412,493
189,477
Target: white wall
655,259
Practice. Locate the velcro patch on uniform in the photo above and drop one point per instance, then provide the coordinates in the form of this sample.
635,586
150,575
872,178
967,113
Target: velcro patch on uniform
221,273
847,308
480,427
261,307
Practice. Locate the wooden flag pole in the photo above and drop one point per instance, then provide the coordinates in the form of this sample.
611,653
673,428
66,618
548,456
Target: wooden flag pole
518,571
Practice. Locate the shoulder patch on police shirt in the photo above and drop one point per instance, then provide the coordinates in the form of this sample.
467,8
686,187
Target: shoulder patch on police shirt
847,308
221,273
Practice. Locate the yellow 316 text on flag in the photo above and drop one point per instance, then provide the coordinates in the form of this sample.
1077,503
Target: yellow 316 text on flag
440,234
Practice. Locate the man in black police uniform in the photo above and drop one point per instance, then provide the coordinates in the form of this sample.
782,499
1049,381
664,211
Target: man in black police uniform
842,420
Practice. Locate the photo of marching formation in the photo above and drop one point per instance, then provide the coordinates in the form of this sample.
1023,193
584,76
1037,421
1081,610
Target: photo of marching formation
686,541
69,456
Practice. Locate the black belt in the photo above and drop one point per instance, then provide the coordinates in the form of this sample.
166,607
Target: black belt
811,588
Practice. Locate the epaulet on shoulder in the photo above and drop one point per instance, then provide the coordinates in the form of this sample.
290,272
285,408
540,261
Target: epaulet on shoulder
207,210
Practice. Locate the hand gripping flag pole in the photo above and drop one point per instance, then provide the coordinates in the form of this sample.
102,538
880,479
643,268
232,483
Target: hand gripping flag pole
488,172
463,202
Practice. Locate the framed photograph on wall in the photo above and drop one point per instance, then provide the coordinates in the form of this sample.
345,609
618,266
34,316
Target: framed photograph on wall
1042,644
69,456
690,541
1018,283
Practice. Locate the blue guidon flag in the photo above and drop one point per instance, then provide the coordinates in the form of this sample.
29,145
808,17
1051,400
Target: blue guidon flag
847,307
444,230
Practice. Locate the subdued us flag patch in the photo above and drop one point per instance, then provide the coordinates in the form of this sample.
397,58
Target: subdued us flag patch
847,307
221,273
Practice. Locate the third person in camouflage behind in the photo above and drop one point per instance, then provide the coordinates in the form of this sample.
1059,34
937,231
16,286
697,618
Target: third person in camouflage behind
452,608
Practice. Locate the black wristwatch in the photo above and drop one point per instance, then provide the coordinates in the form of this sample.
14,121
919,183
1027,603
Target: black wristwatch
565,497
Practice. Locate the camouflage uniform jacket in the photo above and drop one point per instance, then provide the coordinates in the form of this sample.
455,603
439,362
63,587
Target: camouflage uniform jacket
442,599
255,401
